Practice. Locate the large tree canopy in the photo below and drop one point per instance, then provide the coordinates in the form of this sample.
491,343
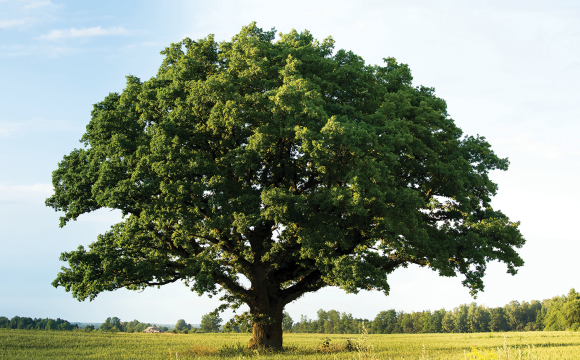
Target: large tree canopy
281,164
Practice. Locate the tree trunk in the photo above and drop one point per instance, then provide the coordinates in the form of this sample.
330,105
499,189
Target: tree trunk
266,327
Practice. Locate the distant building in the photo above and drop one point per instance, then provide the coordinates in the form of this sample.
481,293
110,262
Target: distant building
152,329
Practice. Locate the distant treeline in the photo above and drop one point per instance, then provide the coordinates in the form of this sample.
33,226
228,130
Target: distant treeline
210,323
114,324
110,325
27,323
558,313
555,314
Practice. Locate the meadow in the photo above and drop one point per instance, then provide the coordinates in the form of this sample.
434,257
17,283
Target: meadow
22,344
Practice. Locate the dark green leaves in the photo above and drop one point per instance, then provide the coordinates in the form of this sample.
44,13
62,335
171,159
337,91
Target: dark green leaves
282,162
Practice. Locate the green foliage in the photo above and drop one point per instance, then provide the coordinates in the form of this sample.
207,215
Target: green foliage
287,162
571,310
555,319
562,314
111,324
26,323
210,323
287,322
134,326
448,322
477,318
182,327
331,322
239,323
461,318
497,320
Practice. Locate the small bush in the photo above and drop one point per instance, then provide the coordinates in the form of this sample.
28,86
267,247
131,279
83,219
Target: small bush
327,347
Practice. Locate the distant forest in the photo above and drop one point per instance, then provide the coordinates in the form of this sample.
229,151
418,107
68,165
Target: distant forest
555,314
558,313
111,324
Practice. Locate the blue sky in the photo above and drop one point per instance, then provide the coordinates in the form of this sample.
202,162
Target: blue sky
508,71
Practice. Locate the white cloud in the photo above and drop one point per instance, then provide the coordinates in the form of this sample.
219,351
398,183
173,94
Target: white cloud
43,50
153,43
146,44
37,4
85,32
35,193
5,24
8,128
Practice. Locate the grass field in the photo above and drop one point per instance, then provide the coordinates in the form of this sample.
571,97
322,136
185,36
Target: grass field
23,344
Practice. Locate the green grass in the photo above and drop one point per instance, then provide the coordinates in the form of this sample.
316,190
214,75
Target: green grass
23,344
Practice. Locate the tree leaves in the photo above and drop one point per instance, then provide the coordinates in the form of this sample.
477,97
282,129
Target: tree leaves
282,163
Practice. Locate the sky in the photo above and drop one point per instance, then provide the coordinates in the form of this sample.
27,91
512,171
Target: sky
509,71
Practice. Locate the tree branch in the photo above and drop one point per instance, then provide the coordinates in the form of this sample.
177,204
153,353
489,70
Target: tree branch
309,283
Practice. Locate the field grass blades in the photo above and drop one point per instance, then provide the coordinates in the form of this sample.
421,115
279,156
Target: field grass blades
25,344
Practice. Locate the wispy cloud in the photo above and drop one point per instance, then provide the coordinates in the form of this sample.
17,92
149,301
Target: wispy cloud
153,43
8,128
85,32
37,4
35,193
144,44
5,24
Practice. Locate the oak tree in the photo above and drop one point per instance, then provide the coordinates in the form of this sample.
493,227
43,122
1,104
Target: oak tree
267,168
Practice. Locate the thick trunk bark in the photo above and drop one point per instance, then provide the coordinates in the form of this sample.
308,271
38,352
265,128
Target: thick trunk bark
267,329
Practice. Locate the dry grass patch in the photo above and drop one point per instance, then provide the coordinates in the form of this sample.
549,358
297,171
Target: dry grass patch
199,350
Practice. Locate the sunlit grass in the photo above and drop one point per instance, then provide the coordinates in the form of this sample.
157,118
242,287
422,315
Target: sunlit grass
24,344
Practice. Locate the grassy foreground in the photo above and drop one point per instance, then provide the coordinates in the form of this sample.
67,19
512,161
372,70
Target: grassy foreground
23,344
